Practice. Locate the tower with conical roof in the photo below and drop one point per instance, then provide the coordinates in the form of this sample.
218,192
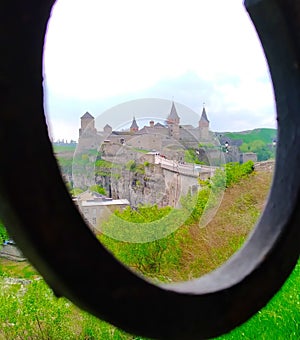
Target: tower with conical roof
204,125
173,121
134,127
173,117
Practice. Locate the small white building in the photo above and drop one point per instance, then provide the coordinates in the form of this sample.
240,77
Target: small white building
96,208
248,156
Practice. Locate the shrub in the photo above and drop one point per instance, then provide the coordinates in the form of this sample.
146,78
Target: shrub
136,227
98,189
131,165
230,174
3,233
212,188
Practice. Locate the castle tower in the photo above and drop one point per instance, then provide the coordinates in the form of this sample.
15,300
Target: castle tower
204,125
134,127
87,125
107,129
173,121
173,117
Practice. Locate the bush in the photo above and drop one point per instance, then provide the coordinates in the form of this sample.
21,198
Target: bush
76,191
127,236
212,188
259,147
3,233
190,156
98,189
194,205
231,174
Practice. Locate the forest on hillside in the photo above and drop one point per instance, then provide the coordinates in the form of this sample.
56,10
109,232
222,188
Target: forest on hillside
260,141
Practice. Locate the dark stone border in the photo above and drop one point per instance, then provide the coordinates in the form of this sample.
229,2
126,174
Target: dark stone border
50,232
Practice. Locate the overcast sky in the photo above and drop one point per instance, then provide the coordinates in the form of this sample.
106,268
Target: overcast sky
100,54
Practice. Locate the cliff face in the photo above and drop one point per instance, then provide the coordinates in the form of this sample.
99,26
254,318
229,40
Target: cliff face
139,187
141,182
153,185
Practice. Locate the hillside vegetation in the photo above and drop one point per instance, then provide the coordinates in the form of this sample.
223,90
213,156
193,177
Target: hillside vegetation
29,310
265,135
167,258
259,141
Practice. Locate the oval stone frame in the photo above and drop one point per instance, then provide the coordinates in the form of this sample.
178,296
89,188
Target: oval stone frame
42,219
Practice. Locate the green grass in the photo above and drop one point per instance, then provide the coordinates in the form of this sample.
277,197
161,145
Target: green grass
64,148
17,269
34,312
279,320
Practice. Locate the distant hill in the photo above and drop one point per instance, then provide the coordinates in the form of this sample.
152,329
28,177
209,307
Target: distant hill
259,141
265,135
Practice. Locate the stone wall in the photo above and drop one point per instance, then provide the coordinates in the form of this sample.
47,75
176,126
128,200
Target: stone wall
155,186
11,252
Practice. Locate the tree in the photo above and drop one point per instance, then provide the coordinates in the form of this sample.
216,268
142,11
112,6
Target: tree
98,189
123,235
3,233
259,147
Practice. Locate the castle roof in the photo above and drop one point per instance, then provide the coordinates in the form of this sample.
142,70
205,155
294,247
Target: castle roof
121,133
173,116
134,124
146,129
159,125
204,116
87,115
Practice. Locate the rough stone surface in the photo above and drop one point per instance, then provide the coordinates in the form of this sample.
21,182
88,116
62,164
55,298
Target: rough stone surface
11,252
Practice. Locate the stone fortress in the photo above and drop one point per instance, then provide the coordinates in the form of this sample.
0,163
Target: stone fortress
164,182
170,138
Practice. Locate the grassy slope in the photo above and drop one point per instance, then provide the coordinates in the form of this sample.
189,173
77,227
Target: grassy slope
210,246
207,249
17,269
64,148
263,134
279,320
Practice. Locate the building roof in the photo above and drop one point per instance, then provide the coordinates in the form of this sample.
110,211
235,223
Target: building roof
89,195
204,116
173,116
187,126
107,126
96,203
87,115
90,198
121,133
134,124
159,125
156,130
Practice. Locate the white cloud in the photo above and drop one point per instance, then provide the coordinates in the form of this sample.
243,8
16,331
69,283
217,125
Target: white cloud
110,51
